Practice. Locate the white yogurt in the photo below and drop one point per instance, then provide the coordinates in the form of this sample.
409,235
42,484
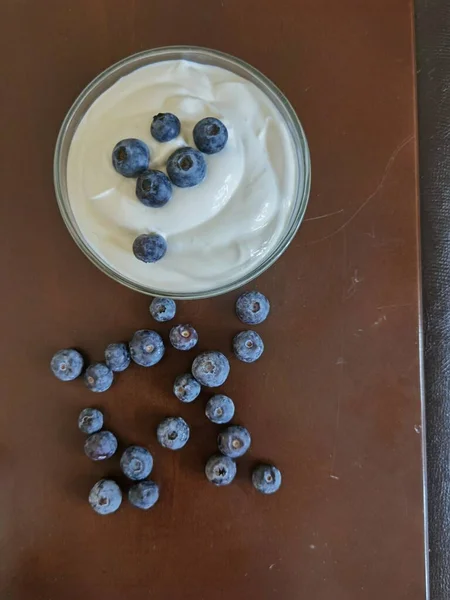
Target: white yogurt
217,231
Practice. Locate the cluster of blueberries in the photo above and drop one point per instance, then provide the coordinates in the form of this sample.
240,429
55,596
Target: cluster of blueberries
209,369
136,463
186,167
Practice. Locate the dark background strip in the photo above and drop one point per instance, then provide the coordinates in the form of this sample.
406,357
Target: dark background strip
433,55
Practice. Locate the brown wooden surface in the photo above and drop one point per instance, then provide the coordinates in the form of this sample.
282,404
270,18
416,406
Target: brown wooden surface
335,401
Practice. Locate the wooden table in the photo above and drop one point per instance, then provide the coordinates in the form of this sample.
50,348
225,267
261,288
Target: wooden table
336,399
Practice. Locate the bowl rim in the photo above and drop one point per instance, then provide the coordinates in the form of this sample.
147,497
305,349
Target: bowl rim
303,156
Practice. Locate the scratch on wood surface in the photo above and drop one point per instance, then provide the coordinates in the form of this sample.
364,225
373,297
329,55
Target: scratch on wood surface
379,187
393,306
355,281
331,214
379,321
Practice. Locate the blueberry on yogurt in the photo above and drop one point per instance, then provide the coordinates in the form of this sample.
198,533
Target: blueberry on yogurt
163,309
130,157
165,127
67,364
252,308
149,247
186,167
153,188
211,368
183,337
210,135
146,348
248,346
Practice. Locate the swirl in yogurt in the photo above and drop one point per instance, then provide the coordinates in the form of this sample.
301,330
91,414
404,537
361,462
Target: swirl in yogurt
217,231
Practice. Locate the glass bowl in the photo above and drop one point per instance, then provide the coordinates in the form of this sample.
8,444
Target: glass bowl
202,56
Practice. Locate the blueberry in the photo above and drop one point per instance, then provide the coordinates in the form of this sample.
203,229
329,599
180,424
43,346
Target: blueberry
220,470
186,388
165,127
183,337
186,167
146,348
136,463
211,368
266,479
252,308
248,346
98,377
90,420
117,357
130,157
234,441
210,135
149,247
67,364
153,188
173,433
144,494
105,497
219,409
163,309
100,445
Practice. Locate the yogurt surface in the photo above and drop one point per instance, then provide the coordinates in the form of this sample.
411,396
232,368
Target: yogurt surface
217,231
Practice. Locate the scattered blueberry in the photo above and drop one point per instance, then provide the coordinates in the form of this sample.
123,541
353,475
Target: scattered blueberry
136,463
173,433
211,368
252,308
100,445
183,337
90,420
163,309
67,364
266,479
130,157
117,357
153,188
146,348
248,346
105,497
220,409
144,494
220,470
165,127
98,377
210,135
186,167
186,388
234,441
149,247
